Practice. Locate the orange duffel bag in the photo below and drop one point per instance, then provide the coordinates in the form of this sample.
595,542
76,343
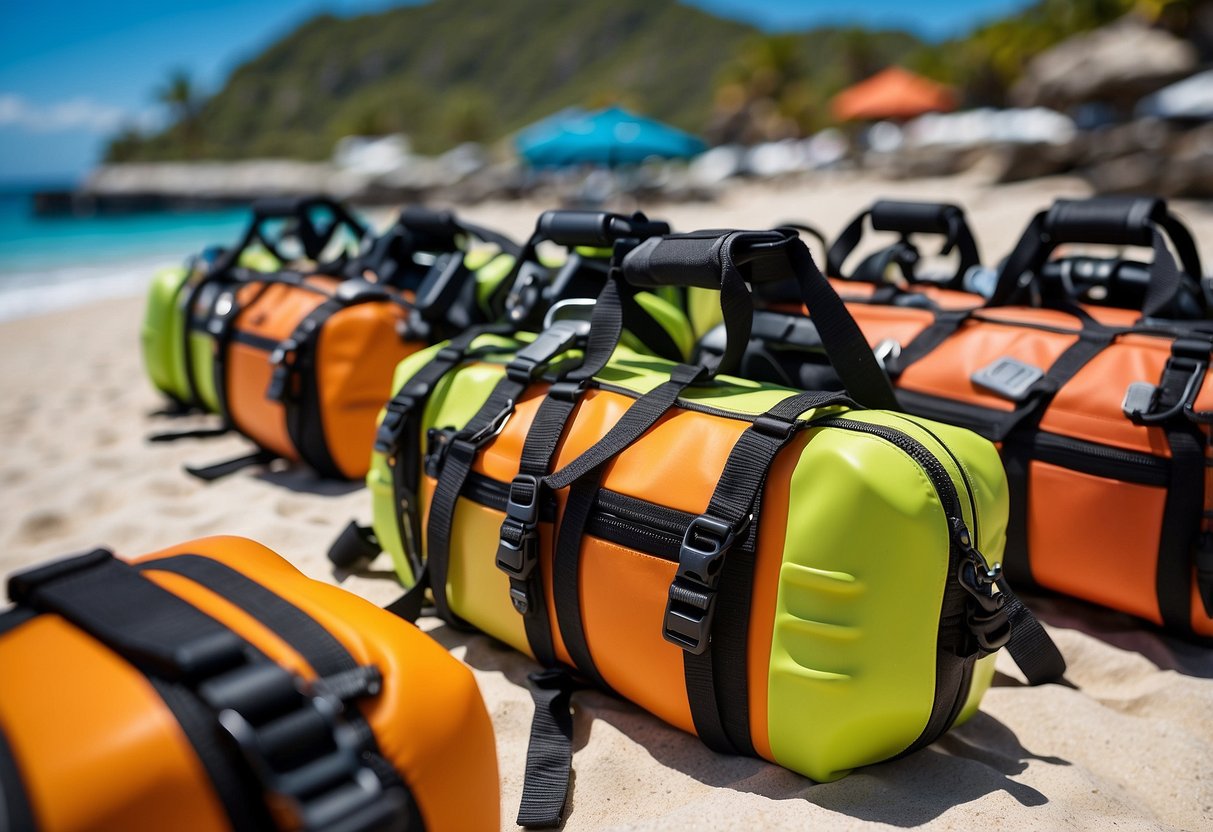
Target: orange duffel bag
1102,413
303,363
179,691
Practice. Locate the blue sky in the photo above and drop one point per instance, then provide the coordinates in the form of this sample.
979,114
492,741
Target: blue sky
72,73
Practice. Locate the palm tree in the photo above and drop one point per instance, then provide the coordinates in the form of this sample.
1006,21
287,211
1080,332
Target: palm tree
184,104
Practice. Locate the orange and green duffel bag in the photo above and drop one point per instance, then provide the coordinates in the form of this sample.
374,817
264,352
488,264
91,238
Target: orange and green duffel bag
1098,395
785,574
177,348
211,686
303,362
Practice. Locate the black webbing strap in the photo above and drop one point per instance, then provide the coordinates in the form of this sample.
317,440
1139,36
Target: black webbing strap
518,544
641,416
708,610
15,811
947,322
454,463
873,268
1184,505
319,648
193,433
549,753
398,439
1030,646
458,455
355,546
843,245
549,757
1018,447
297,747
219,470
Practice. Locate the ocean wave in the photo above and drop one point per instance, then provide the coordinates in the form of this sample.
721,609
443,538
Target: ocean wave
28,293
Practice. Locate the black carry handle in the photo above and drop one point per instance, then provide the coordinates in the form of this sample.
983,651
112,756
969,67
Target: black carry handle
728,260
905,218
1114,220
313,240
441,228
600,229
569,229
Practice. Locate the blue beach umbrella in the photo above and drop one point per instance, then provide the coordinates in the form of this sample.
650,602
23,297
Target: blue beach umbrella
608,137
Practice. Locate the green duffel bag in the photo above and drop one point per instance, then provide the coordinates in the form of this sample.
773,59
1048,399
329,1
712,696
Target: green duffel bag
178,350
788,575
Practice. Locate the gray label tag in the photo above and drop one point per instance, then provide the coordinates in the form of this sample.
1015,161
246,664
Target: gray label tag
1009,378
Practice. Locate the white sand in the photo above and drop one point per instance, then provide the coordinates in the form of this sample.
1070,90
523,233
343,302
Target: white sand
1128,747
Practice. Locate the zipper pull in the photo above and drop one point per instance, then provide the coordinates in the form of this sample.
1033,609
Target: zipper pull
985,616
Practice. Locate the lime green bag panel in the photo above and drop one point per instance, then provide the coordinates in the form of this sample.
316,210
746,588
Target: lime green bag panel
163,340
703,309
161,336
854,636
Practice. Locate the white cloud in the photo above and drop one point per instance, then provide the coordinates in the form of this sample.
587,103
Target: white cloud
77,114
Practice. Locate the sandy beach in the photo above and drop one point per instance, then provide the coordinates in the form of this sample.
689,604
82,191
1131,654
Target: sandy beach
1126,745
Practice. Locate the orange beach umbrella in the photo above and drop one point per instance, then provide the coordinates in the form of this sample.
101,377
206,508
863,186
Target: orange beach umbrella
892,93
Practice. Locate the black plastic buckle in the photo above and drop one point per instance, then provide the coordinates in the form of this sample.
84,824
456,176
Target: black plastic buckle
567,391
1189,356
531,360
774,427
518,545
691,605
282,359
480,438
396,413
285,352
262,707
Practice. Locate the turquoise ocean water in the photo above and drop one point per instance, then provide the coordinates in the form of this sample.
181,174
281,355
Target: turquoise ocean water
51,263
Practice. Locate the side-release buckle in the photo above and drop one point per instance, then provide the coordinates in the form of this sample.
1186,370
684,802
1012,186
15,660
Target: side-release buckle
518,545
531,360
283,361
692,599
272,715
391,429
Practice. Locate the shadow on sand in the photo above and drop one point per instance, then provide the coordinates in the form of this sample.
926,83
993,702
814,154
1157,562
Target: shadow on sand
974,760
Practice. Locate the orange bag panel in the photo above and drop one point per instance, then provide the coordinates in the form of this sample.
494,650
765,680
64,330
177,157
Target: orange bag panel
623,597
272,312
1089,405
624,639
356,352
1095,538
254,414
768,561
96,747
947,371
860,291
429,719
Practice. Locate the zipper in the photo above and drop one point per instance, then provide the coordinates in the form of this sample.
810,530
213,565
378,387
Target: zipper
257,342
1096,459
617,518
963,559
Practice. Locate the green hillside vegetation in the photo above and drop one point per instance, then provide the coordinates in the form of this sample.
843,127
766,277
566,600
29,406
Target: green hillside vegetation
476,70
